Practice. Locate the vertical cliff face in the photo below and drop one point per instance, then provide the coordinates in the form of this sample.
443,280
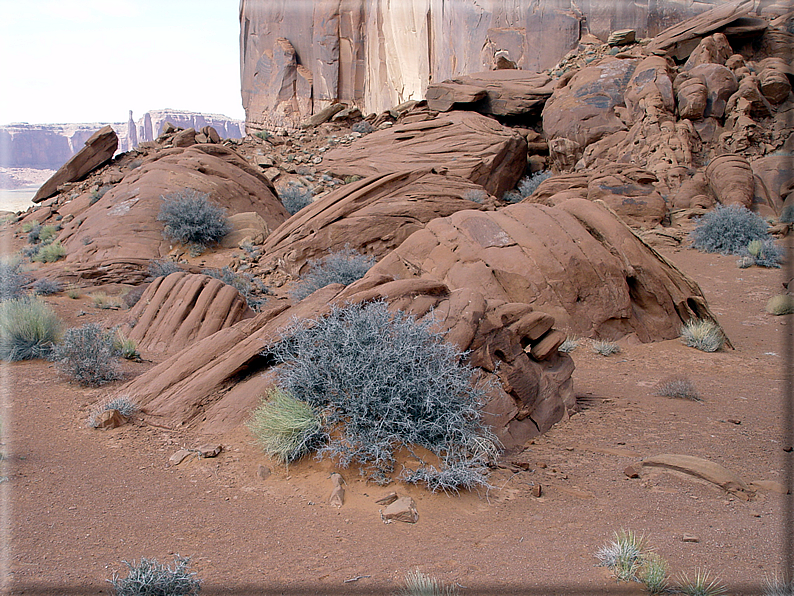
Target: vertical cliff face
298,57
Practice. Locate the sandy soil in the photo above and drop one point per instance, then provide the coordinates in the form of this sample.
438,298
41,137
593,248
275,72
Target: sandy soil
77,502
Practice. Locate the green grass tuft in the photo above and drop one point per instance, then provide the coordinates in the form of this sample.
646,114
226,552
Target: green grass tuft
49,253
700,585
285,427
654,574
28,329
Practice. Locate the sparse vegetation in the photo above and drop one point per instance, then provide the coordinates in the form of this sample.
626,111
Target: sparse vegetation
782,304
162,268
125,347
249,287
703,335
285,427
728,230
123,405
105,302
86,355
341,267
419,584
700,585
46,287
604,347
512,196
295,197
12,280
654,574
475,195
73,292
529,184
190,218
624,555
569,345
49,253
679,388
29,329
763,253
150,578
383,381
262,134
28,226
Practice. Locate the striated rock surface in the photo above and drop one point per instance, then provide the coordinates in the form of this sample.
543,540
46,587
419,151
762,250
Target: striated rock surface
577,262
372,216
465,144
214,383
99,149
114,238
731,180
503,92
180,309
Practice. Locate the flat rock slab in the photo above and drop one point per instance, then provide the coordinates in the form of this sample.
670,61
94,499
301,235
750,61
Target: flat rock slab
403,510
496,92
465,144
99,149
704,469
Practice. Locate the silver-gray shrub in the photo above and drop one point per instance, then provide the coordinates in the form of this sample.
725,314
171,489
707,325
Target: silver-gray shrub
46,287
86,354
12,280
529,184
190,218
162,268
382,381
763,253
341,267
295,197
728,230
150,578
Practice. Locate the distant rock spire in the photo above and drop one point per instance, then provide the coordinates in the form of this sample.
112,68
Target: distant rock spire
132,133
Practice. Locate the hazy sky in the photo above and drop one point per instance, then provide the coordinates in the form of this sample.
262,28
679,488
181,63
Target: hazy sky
93,60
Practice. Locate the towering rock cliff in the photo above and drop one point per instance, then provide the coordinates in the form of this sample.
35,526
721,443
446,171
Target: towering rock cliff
297,57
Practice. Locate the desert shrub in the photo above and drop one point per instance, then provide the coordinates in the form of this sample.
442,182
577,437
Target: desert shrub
285,427
262,134
782,304
764,253
150,578
49,253
342,267
295,197
190,218
73,292
28,329
512,196
86,355
46,286
679,388
363,127
47,233
419,584
162,268
569,345
476,195
605,347
33,234
383,381
123,405
105,302
700,585
703,335
99,193
624,555
529,184
29,225
728,230
12,280
654,574
249,287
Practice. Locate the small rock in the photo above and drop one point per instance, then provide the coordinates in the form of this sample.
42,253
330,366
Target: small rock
403,509
178,457
631,472
536,490
690,538
622,37
263,472
387,499
109,419
210,450
337,498
734,421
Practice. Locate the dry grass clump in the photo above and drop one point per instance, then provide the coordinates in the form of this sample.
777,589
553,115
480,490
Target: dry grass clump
419,584
605,347
703,335
700,585
782,304
679,388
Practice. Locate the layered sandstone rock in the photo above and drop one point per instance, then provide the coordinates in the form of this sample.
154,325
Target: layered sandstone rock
501,92
577,262
465,144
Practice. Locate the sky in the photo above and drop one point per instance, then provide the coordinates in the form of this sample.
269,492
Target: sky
94,60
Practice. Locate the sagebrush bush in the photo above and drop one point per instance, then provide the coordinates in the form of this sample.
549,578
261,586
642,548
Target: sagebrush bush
162,268
703,335
285,427
46,287
150,578
728,230
12,280
29,329
419,584
250,288
190,218
383,381
529,184
49,253
86,355
342,267
782,304
569,345
295,197
29,225
679,388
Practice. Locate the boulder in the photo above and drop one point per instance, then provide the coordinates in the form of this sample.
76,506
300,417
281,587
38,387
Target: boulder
215,382
180,309
776,175
622,37
246,227
465,144
720,83
576,262
403,509
184,138
713,49
731,180
703,469
583,111
692,95
113,239
450,95
774,83
98,150
650,80
749,100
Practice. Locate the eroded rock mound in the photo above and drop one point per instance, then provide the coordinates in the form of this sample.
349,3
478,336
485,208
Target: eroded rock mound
214,383
372,216
182,308
113,238
466,144
577,262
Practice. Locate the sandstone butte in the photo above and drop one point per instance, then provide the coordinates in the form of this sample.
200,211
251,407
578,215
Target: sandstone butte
639,137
